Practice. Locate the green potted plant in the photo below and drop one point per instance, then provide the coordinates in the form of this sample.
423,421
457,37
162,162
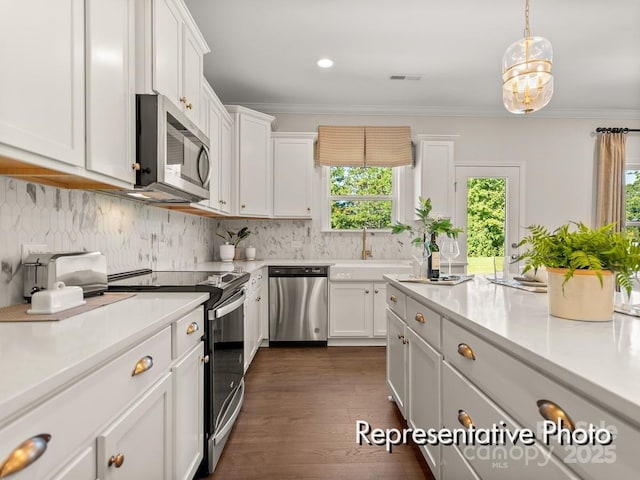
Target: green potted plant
582,266
428,227
231,241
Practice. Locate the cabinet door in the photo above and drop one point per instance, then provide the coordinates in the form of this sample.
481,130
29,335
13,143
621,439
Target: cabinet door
396,359
379,309
292,177
226,166
110,88
264,308
424,367
250,320
191,76
81,467
350,309
215,147
141,438
435,176
42,83
188,413
454,466
255,171
167,50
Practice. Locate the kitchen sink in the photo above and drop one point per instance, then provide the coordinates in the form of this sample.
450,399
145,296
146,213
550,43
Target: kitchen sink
366,270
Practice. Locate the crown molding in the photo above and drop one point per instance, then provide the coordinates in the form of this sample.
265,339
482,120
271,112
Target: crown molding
408,110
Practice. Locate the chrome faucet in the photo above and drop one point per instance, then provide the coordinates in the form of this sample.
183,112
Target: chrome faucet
365,253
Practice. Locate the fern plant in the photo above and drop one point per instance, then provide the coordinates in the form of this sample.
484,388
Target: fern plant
582,248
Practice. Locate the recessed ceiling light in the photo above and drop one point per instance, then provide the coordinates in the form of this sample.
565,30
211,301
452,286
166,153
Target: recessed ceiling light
325,63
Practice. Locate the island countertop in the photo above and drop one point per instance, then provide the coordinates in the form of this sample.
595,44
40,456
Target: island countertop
601,359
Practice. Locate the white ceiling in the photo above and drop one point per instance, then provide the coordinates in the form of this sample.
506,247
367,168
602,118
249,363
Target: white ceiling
264,54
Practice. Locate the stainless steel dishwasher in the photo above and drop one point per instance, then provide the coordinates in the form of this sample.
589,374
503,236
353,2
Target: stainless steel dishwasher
298,312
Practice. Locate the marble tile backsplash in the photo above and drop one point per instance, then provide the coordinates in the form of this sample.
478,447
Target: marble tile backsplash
131,234
304,239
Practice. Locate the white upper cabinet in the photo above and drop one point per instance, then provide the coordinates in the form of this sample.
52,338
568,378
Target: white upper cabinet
170,48
225,201
293,174
435,174
110,39
252,152
42,93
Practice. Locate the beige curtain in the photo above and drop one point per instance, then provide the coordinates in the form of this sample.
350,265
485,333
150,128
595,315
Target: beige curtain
611,171
348,146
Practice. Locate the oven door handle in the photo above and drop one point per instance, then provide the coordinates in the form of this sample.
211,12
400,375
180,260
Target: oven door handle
234,302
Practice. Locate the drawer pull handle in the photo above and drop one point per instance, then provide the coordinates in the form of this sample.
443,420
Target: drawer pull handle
116,460
193,328
465,419
393,298
419,318
465,351
25,454
552,412
144,364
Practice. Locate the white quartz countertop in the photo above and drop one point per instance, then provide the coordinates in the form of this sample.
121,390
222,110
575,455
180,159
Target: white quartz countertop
601,359
41,357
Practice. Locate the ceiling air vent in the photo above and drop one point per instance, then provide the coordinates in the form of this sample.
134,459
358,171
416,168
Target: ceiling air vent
395,76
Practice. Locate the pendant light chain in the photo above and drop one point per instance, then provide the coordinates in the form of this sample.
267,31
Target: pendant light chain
527,32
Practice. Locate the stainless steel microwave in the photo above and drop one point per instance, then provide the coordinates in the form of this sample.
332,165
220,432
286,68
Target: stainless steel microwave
172,154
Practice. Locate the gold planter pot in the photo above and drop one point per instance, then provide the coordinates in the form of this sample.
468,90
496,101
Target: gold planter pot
583,298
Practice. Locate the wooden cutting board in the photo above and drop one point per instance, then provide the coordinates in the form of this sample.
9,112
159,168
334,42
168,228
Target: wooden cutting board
18,313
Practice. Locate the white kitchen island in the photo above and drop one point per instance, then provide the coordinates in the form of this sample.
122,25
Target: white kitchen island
495,351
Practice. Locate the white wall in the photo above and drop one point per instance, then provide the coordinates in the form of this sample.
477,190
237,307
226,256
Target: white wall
558,154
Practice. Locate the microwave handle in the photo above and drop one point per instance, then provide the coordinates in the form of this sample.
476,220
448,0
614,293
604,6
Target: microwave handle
203,150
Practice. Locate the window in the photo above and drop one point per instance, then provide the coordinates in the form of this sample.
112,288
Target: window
361,197
632,200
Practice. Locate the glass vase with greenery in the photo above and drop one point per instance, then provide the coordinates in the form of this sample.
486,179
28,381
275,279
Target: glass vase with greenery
427,226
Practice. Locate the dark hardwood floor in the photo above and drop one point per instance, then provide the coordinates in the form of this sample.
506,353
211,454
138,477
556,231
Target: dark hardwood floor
299,419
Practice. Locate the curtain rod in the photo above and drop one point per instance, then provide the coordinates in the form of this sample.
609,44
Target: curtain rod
616,130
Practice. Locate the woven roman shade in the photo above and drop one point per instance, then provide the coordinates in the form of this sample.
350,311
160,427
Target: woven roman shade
347,146
388,146
340,146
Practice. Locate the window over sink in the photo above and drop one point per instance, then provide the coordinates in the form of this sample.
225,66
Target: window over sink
362,197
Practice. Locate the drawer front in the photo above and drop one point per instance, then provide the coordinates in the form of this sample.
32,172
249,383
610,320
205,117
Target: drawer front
518,388
425,322
506,461
187,332
76,414
396,300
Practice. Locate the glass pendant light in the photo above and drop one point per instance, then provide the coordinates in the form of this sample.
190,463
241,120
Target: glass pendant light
526,72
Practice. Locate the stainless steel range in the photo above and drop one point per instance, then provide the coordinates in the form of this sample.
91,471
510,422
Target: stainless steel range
223,340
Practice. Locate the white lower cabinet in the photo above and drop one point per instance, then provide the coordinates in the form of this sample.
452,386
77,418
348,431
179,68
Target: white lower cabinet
397,359
138,444
357,309
81,467
424,366
256,308
188,413
454,466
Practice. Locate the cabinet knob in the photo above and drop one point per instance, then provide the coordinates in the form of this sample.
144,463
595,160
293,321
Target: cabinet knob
144,364
419,318
205,359
183,100
465,419
116,460
135,166
366,291
393,298
552,412
193,328
405,340
243,206
400,337
189,106
376,291
24,454
465,351
308,209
